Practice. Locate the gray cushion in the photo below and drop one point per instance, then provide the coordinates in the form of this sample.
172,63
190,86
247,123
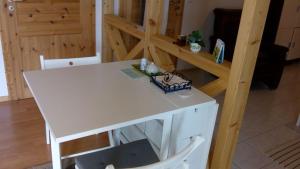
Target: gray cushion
134,154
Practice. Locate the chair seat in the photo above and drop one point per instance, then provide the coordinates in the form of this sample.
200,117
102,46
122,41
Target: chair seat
134,154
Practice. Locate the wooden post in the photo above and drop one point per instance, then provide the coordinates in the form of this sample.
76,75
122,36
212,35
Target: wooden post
154,15
176,9
245,56
154,9
131,10
107,53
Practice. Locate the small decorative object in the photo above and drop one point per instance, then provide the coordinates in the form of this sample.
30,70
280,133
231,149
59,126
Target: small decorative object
195,40
195,47
170,82
181,40
138,66
143,65
152,69
219,51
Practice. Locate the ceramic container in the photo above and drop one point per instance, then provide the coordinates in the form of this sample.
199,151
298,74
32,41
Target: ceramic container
195,47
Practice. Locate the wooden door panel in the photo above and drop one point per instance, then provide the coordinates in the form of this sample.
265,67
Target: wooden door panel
54,28
48,18
52,47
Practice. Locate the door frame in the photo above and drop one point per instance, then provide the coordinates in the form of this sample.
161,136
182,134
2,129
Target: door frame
7,54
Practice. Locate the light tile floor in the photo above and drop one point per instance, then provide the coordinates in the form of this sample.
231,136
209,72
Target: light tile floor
269,120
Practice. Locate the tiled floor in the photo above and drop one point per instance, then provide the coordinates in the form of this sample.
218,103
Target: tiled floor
269,121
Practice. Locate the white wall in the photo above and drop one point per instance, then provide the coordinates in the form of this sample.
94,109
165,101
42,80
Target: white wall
198,14
3,84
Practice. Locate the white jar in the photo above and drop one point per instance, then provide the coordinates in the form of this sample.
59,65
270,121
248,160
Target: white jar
152,69
195,47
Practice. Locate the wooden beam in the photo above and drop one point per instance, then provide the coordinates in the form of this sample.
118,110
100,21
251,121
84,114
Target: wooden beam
116,42
125,26
161,59
214,88
132,11
135,51
107,53
202,60
154,15
245,56
154,12
175,16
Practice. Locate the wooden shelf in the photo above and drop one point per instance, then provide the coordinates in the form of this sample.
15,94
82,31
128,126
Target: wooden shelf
202,60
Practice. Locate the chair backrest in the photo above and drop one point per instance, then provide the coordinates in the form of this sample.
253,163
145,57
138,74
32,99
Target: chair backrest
179,160
60,63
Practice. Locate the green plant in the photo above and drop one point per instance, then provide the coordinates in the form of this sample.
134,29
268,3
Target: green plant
196,37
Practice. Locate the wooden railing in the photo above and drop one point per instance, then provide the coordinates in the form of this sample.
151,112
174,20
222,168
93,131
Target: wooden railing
159,48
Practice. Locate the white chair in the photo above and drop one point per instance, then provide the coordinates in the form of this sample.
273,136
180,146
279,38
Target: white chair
69,62
142,155
60,63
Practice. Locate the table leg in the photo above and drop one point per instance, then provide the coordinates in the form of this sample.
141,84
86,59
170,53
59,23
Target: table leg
47,133
166,134
111,138
56,155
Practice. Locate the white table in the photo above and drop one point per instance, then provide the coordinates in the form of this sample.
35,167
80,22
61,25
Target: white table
86,100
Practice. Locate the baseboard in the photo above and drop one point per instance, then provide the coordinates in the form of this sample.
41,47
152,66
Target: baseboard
4,98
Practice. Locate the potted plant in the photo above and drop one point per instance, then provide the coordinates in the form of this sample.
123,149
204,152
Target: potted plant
196,42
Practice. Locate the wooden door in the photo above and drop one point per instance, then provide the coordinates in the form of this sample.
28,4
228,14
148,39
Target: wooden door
54,28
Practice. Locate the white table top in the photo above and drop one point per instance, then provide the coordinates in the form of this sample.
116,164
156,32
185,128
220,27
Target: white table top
77,101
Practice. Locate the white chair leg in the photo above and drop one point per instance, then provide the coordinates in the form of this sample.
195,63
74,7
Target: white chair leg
47,133
298,121
116,136
111,138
